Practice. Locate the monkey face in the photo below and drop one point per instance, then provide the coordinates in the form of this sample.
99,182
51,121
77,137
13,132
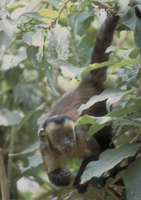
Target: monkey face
63,140
58,134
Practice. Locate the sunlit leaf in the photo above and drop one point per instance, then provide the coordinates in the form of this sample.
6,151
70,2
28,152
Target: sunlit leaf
99,122
4,43
109,159
57,45
98,66
17,10
71,71
124,63
52,14
33,15
24,120
13,6
9,26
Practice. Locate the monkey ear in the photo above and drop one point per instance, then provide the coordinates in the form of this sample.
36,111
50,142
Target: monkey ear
41,134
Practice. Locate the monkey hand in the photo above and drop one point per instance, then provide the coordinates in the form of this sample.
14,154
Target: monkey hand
96,182
81,188
60,177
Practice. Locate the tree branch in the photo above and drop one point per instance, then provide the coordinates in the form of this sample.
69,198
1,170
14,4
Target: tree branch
113,193
60,11
3,180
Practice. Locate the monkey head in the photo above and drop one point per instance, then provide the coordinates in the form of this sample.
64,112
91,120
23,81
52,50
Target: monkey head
58,133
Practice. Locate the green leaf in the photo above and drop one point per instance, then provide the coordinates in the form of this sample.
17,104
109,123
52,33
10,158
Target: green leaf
13,7
124,63
128,18
4,43
98,66
24,120
83,21
38,39
34,161
108,159
33,15
62,48
69,70
134,53
57,45
19,56
49,72
12,76
30,149
27,37
137,34
99,122
17,10
85,120
112,94
52,14
132,180
34,38
54,3
32,53
10,118
9,26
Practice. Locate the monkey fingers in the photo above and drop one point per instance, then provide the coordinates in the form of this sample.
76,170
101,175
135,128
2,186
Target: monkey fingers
60,177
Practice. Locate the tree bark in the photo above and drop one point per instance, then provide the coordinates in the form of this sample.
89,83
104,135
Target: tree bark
3,181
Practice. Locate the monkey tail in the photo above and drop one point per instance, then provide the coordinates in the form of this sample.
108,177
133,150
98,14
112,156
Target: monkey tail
103,41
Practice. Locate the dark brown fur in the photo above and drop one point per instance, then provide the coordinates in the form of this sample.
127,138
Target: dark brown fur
65,112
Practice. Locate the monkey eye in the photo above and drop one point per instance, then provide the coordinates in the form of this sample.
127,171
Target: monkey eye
59,136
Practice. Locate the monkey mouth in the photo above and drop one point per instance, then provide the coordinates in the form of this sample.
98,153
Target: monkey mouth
67,151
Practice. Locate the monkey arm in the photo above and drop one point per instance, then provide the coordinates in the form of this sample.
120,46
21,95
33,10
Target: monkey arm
82,168
58,176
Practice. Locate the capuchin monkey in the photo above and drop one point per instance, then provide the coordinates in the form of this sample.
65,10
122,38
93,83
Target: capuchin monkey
60,140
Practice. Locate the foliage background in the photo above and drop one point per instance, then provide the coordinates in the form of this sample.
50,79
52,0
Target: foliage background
45,46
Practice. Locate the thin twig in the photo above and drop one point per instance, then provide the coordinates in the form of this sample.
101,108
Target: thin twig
3,180
60,11
70,194
113,193
101,5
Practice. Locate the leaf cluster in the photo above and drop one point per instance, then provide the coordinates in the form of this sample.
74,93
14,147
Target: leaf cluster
47,41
